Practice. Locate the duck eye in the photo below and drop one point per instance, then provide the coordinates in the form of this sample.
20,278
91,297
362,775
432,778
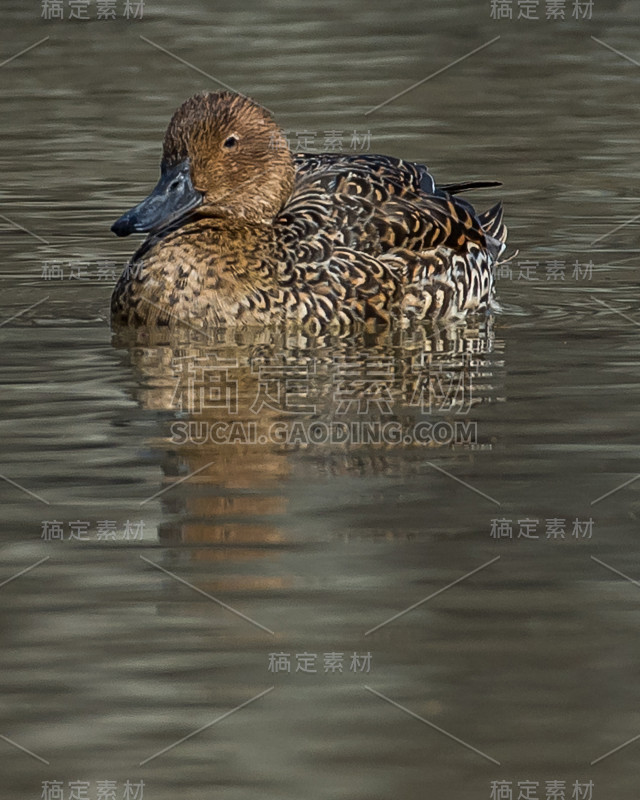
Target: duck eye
230,142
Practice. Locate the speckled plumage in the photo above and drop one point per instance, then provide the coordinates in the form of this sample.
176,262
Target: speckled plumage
324,241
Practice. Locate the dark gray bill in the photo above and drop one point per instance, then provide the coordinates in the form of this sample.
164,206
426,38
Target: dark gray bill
173,197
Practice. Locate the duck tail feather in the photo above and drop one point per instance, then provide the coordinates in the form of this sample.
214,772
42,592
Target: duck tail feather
495,229
493,224
465,186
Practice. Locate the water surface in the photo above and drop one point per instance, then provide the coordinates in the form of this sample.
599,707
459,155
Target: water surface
194,560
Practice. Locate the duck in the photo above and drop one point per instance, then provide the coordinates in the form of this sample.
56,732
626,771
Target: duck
241,231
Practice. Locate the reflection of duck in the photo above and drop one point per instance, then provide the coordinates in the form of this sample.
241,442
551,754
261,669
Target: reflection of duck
235,498
243,232
249,399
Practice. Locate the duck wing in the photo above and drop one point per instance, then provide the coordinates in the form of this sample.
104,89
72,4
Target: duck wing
403,175
376,204
361,239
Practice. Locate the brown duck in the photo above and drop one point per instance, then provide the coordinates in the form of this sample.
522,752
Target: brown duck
243,232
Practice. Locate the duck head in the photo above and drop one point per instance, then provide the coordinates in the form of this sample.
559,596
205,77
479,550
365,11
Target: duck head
223,156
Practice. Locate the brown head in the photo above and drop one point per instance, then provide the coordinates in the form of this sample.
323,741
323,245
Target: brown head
223,155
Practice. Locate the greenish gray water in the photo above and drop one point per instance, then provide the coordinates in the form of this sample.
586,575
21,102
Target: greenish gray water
107,660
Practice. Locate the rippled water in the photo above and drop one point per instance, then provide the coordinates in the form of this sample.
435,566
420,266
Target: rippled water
219,515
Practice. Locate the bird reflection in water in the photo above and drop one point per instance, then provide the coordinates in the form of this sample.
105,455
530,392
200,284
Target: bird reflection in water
246,414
